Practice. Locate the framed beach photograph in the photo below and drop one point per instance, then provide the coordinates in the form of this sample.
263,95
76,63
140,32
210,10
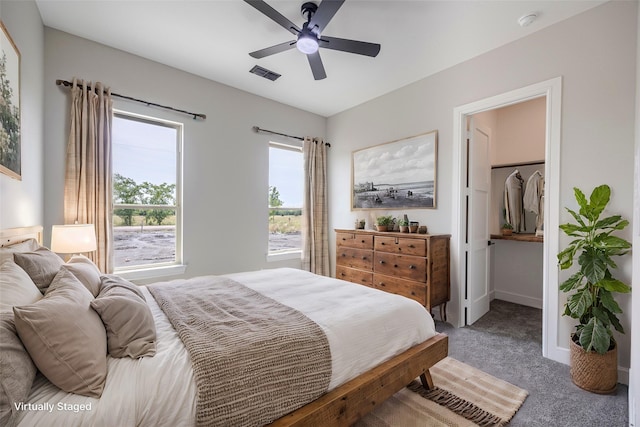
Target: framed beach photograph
396,175
10,146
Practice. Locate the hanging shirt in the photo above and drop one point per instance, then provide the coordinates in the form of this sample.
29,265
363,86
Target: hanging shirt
534,197
514,210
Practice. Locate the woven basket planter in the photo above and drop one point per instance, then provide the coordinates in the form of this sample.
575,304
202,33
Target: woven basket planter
594,372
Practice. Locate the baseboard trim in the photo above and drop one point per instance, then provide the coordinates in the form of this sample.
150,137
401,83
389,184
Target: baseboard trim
518,299
562,355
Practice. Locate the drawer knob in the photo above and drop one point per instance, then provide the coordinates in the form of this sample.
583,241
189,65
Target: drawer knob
381,262
411,246
412,267
382,243
395,265
362,241
364,257
342,274
343,255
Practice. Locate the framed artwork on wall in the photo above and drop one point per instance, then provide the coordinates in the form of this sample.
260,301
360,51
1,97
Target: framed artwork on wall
10,144
396,175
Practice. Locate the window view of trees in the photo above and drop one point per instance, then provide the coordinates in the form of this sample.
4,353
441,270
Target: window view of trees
146,208
127,192
285,198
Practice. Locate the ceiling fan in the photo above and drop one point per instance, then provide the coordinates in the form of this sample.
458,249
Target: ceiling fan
309,37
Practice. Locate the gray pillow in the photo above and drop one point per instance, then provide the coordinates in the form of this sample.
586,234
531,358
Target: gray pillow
111,280
131,330
17,368
86,271
65,337
41,265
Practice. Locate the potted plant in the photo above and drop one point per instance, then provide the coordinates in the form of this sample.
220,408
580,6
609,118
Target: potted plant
404,225
383,222
593,350
507,229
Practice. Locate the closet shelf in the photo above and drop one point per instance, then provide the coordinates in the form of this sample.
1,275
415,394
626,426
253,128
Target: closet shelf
521,237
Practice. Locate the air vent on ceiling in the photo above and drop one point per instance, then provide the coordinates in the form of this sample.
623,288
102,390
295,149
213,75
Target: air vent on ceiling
263,72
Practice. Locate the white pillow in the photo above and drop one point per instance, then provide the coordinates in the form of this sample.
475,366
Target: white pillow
28,245
16,287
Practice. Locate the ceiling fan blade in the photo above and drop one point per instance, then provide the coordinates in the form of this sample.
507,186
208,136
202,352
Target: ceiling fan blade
273,49
316,66
351,46
323,15
274,15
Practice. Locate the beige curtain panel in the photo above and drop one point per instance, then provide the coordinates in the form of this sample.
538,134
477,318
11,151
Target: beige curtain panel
315,225
88,187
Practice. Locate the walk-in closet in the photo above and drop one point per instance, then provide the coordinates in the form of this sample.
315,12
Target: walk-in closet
517,154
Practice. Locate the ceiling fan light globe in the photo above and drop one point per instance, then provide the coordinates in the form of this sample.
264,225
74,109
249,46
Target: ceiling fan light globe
307,45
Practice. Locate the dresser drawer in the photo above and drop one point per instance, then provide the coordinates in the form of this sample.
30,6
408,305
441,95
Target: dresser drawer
415,290
405,266
355,276
401,245
355,258
353,240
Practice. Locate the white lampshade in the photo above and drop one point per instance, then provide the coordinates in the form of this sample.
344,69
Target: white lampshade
73,238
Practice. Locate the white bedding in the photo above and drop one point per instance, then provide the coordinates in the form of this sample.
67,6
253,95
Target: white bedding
364,327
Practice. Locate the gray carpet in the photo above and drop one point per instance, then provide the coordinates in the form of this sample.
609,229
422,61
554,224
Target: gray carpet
506,343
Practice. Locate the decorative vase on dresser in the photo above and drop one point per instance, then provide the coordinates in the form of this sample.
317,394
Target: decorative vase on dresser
415,266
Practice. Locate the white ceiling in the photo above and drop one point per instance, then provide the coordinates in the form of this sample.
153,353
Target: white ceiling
213,38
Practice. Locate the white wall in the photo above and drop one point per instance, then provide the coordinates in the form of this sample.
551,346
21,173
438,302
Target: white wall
225,162
520,132
21,200
634,372
597,116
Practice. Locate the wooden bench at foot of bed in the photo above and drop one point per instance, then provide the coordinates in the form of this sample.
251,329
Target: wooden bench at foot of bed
345,405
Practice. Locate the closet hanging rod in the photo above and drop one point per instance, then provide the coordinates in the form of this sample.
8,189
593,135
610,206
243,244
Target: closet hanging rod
141,101
257,129
515,165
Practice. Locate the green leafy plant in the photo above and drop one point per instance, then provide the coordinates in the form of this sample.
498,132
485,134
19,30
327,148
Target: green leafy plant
403,222
592,302
384,220
507,226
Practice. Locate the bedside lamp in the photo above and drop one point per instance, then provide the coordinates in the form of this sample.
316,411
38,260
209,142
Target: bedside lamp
73,238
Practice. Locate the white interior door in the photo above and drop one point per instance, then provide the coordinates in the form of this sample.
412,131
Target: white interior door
479,197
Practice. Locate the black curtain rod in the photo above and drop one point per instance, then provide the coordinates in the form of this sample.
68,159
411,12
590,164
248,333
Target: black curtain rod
151,104
257,129
515,165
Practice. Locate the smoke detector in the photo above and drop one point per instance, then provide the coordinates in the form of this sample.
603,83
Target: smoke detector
526,20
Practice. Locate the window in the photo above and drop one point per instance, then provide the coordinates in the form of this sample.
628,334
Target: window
147,212
286,189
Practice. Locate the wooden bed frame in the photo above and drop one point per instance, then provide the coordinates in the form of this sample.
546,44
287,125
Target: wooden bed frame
346,404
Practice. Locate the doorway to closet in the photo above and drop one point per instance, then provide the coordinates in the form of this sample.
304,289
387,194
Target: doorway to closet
478,216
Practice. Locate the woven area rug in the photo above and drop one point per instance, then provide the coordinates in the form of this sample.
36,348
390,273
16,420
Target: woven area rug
464,396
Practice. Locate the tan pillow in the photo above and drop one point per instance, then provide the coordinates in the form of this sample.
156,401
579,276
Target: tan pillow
86,271
131,330
16,287
41,265
28,245
17,368
65,337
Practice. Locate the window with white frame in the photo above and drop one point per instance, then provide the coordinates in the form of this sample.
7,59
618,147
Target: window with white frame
286,190
147,212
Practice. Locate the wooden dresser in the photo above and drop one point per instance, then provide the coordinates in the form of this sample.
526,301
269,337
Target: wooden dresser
412,265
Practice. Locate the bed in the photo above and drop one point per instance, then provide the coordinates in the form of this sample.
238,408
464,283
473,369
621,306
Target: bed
366,368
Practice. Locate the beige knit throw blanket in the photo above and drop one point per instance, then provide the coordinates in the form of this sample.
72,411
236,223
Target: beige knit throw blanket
254,359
